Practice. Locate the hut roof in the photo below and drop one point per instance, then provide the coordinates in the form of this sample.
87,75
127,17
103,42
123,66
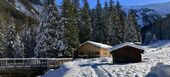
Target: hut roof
100,45
126,44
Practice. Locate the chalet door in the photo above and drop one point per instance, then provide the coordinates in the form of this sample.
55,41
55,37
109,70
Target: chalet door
124,60
120,60
127,60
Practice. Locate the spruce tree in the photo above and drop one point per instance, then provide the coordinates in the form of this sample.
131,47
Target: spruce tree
27,36
85,29
108,25
49,39
18,47
42,41
76,4
2,41
55,31
10,39
149,38
98,33
132,31
119,22
69,22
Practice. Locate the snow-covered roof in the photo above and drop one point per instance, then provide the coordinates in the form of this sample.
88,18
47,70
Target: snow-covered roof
125,44
100,45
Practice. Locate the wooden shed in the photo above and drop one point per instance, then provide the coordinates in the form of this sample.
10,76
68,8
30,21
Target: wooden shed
127,53
91,49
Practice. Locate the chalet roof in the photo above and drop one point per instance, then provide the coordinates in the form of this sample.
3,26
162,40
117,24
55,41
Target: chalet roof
100,45
126,44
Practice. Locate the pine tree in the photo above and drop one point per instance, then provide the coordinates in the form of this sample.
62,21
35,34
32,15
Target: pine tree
18,47
32,42
2,40
119,24
149,38
86,28
76,4
92,16
108,26
98,33
28,39
111,5
132,31
71,33
49,38
10,39
55,31
42,40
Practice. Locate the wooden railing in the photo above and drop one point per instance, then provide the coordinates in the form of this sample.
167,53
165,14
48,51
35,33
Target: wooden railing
32,62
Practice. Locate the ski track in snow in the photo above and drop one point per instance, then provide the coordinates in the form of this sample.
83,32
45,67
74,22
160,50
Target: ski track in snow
102,67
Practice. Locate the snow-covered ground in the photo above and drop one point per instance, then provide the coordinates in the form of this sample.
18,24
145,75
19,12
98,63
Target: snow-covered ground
156,63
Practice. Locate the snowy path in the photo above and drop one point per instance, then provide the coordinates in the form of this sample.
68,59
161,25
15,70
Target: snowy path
102,67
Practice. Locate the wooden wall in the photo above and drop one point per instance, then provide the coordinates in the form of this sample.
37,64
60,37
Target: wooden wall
104,52
127,55
90,51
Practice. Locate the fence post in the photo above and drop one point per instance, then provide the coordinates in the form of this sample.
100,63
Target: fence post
6,63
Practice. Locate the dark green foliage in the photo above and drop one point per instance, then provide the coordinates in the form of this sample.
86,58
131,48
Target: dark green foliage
98,33
85,28
59,34
2,40
10,39
50,34
69,22
149,38
28,38
132,30
108,19
119,22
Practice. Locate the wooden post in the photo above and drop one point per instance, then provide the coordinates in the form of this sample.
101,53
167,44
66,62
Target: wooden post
47,64
6,63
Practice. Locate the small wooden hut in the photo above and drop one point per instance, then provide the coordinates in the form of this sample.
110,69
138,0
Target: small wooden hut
127,53
91,49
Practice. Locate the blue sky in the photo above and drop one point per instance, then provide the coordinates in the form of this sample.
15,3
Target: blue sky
124,2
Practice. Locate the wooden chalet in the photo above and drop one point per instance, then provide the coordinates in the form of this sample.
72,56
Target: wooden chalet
126,53
91,49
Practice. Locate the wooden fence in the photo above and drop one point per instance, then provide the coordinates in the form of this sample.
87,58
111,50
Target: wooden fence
32,62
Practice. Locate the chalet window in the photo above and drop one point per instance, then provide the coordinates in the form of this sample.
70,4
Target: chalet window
97,53
105,53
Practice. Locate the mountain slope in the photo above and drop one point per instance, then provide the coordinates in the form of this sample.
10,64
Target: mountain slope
149,14
8,10
22,11
162,8
146,17
153,20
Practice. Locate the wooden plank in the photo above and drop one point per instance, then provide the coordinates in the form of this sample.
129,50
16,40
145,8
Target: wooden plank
32,62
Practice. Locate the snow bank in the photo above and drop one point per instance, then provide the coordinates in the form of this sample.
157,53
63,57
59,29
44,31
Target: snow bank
160,70
78,68
63,70
102,67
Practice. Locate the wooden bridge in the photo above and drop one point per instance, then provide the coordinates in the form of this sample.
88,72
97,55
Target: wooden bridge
28,67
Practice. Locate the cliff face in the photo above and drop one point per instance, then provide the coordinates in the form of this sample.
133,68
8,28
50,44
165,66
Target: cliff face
22,11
